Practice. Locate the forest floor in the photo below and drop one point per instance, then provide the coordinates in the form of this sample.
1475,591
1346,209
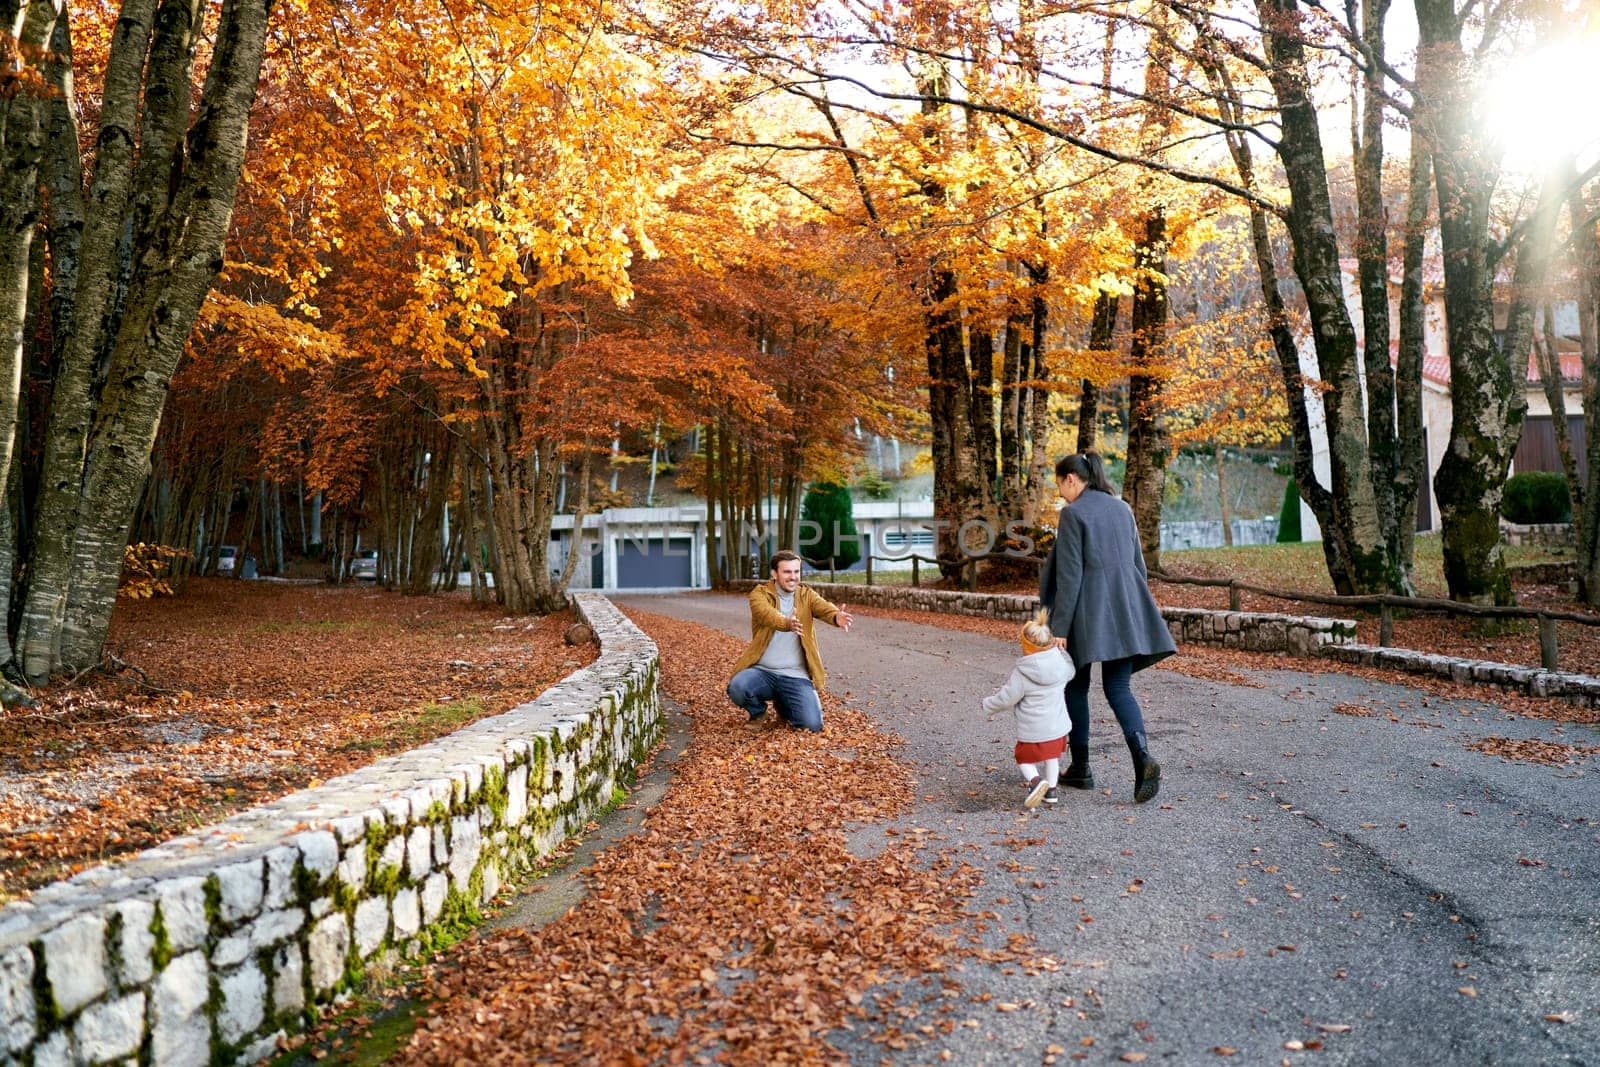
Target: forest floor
236,693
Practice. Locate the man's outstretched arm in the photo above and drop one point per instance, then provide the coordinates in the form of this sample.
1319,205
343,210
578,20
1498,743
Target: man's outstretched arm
827,611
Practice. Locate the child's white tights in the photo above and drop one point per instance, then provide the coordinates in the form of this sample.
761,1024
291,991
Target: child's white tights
1049,770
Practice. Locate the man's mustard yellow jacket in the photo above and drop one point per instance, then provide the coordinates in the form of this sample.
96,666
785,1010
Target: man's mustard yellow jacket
765,619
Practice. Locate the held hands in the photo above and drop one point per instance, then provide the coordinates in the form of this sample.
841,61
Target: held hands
1059,643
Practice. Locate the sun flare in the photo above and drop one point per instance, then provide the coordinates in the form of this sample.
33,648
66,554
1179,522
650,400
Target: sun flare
1542,107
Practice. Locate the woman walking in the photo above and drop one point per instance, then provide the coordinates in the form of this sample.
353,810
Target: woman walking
1102,612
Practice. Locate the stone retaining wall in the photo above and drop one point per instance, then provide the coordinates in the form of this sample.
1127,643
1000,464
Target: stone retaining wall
1550,534
1258,631
208,947
1563,572
1581,689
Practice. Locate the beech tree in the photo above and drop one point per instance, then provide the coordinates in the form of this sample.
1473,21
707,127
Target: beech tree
999,236
1261,87
130,212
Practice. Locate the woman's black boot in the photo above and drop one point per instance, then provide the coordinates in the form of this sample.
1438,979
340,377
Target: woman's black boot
1077,775
1146,771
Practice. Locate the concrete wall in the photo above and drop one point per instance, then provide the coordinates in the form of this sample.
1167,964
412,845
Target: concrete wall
1207,533
207,947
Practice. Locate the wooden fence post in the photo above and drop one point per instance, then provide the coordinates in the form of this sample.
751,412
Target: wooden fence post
916,574
972,575
1233,595
1549,649
869,568
1385,626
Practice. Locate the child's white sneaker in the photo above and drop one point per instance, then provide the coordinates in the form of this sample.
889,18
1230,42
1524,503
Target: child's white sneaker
1037,787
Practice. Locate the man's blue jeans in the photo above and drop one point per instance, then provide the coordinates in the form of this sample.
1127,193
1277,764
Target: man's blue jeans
795,698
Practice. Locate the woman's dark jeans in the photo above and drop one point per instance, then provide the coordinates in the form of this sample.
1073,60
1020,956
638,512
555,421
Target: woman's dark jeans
1114,678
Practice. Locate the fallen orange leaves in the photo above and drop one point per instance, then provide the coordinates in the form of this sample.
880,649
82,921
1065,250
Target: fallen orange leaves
738,921
256,690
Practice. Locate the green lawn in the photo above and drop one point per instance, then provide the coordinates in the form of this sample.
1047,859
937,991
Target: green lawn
1302,567
930,574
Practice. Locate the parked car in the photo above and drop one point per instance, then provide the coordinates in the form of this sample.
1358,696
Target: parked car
227,556
364,567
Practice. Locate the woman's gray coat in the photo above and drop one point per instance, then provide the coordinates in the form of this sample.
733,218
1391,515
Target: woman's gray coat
1096,588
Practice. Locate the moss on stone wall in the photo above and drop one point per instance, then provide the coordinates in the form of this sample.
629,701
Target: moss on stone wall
161,951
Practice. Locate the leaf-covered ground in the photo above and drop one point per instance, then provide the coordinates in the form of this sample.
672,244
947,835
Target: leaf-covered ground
738,925
249,690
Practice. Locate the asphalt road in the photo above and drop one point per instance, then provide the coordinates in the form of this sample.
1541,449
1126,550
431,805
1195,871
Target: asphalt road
1370,889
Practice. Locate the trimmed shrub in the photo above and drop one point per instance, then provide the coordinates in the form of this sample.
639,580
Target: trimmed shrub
1289,515
1536,497
875,486
828,505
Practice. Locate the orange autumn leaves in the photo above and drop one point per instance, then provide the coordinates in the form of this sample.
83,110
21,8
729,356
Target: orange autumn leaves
440,194
737,918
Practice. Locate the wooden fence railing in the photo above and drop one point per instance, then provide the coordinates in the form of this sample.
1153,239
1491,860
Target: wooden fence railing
968,564
1386,604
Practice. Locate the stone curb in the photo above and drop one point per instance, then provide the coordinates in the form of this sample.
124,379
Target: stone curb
1254,631
208,947
1580,689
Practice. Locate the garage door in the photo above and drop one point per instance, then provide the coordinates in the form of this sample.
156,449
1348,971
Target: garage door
657,563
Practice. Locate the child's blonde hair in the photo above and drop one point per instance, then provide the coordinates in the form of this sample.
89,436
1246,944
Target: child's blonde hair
1036,631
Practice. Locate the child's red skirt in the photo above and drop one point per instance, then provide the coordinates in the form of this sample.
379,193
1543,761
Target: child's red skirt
1039,751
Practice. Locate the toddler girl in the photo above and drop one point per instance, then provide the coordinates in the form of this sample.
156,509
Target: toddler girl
1035,692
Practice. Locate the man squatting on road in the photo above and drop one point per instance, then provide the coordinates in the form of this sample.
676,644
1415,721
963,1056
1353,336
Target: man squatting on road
781,663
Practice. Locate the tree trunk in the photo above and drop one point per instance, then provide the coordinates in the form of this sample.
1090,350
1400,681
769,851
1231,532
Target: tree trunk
251,510
1222,494
174,205
959,489
1354,520
513,574
1372,271
1412,460
948,423
428,543
1011,375
24,124
1487,379
981,401
575,545
1146,478
1586,508
1039,461
1102,332
1555,394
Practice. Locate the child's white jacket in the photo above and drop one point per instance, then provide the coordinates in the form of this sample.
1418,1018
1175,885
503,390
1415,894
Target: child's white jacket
1035,691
